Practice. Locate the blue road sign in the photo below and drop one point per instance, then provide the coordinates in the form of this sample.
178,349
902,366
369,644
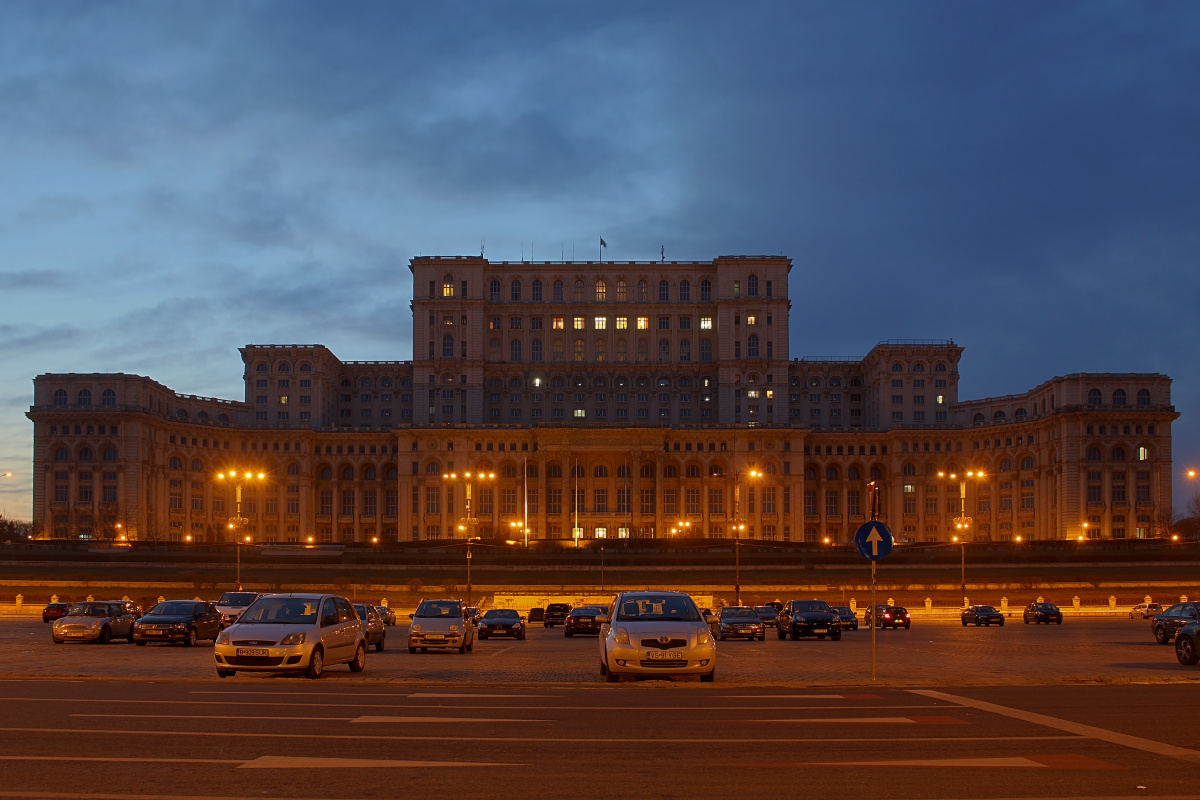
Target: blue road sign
873,540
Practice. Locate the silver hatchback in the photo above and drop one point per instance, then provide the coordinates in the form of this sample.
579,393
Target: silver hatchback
94,621
653,634
293,633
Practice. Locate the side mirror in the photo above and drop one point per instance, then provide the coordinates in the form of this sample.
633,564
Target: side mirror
602,618
410,616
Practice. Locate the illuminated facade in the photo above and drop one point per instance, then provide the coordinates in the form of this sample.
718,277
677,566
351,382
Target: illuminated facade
608,399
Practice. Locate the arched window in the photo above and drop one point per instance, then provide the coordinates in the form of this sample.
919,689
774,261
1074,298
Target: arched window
531,471
386,383
752,286
693,471
61,454
110,454
664,349
578,351
810,474
536,292
876,474
369,473
1118,454
752,346
664,291
327,473
85,397
196,465
853,474
685,349
999,415
283,367
182,412
558,291
306,367
705,350
1006,465
535,350
600,471
685,291
978,418
448,286
60,397
514,351
643,291
85,454
392,473
262,368
918,368
670,471
1027,462
448,346
1094,397
909,468
578,471
348,474
1020,412
1093,454
621,291
494,291
201,415
433,468
515,291
939,367
647,470
643,353
831,473
515,383
1119,397
601,290
598,352
622,471
222,418
508,471
1143,397
293,468
553,471
705,291
897,367
108,398
578,290
175,462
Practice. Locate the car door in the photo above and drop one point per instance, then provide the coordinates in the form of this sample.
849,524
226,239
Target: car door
1185,615
122,620
330,630
207,624
350,628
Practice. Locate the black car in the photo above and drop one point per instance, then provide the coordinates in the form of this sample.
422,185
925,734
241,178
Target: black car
848,617
740,622
982,615
54,611
501,622
373,625
1168,623
769,615
1187,645
809,618
1038,613
889,617
185,621
555,614
583,620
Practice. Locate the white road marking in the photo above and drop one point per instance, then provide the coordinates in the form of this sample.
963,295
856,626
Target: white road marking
210,716
853,720
122,760
307,763
397,695
1091,731
444,719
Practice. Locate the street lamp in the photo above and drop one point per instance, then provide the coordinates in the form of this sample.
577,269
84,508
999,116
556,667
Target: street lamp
518,529
470,539
468,522
962,523
237,521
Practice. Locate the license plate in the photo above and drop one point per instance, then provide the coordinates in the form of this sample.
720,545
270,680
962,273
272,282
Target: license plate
820,630
250,651
666,655
152,633
77,635
434,636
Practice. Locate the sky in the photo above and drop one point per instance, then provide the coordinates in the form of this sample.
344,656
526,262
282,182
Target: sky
181,179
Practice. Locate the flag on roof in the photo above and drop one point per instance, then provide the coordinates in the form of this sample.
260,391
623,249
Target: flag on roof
602,242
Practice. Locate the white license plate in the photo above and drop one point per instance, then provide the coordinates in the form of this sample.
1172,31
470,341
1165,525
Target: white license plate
249,651
152,633
665,655
820,630
434,636
77,635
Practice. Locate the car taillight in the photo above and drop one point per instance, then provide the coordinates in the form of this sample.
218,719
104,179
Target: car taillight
906,616
887,616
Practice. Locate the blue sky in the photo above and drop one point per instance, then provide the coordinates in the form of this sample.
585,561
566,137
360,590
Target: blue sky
180,179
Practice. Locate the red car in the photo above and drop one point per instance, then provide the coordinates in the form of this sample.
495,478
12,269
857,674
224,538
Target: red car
54,611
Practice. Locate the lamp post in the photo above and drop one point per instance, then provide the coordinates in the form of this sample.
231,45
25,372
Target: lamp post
468,522
237,521
739,527
470,539
962,523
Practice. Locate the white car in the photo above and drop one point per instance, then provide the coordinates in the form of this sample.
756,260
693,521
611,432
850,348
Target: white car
232,604
652,634
441,623
293,633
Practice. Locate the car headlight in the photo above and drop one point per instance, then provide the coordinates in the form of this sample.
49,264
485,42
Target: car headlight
99,623
294,638
703,638
416,626
621,636
223,637
516,626
453,627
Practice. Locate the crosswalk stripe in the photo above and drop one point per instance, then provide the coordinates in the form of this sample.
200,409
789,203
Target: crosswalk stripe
443,719
307,763
985,762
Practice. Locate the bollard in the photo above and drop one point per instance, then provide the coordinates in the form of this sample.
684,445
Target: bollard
1112,602
383,602
1004,604
1146,599
53,598
1183,598
162,599
20,601
90,598
928,603
966,602
1075,602
853,605
891,602
1041,599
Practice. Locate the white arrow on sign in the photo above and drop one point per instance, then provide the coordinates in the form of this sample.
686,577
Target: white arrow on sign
874,538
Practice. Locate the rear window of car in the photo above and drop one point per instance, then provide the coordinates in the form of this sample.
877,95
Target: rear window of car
237,599
558,608
766,611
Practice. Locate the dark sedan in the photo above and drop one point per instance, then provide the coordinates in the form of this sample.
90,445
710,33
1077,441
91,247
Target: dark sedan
53,611
848,617
1168,623
501,622
373,625
583,620
769,615
185,621
889,617
1038,613
982,615
809,618
1187,645
386,614
740,622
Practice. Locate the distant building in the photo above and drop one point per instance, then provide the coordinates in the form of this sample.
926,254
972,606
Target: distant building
608,399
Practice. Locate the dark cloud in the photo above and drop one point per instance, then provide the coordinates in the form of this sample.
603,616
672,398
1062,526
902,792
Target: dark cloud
31,279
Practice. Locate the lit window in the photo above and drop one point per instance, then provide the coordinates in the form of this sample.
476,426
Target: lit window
770,393
752,393
643,323
578,323
941,398
579,412
557,324
622,323
600,323
751,319
283,399
706,323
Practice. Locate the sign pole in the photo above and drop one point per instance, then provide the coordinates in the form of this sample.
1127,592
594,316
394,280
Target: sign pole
873,610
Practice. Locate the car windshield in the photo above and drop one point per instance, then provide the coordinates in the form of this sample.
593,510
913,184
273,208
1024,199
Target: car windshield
766,612
658,607
809,605
91,610
237,599
586,611
842,610
281,611
501,613
1047,607
739,611
439,608
985,610
173,609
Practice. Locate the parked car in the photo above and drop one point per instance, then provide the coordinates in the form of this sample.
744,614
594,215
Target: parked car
1038,613
1145,610
373,625
232,604
656,633
555,614
502,622
185,621
472,613
1168,623
809,618
132,607
293,633
582,620
441,623
1187,644
982,615
54,611
387,614
740,622
847,616
889,617
94,621
769,616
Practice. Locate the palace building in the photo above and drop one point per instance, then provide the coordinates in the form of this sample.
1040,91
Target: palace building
601,400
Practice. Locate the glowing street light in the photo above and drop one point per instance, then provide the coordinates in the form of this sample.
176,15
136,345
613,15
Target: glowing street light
962,523
237,522
468,521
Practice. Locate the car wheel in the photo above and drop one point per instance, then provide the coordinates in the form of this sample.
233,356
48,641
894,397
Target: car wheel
709,677
471,647
762,638
140,644
1027,620
567,634
820,637
1160,635
424,649
907,625
105,635
612,677
482,636
782,633
836,638
794,635
1001,623
189,639
316,664
603,668
522,636
1185,650
462,648
225,673
360,659
964,622
379,645
412,649
1057,621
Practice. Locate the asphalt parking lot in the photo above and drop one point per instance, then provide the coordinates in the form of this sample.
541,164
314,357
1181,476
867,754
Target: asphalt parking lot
1083,650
